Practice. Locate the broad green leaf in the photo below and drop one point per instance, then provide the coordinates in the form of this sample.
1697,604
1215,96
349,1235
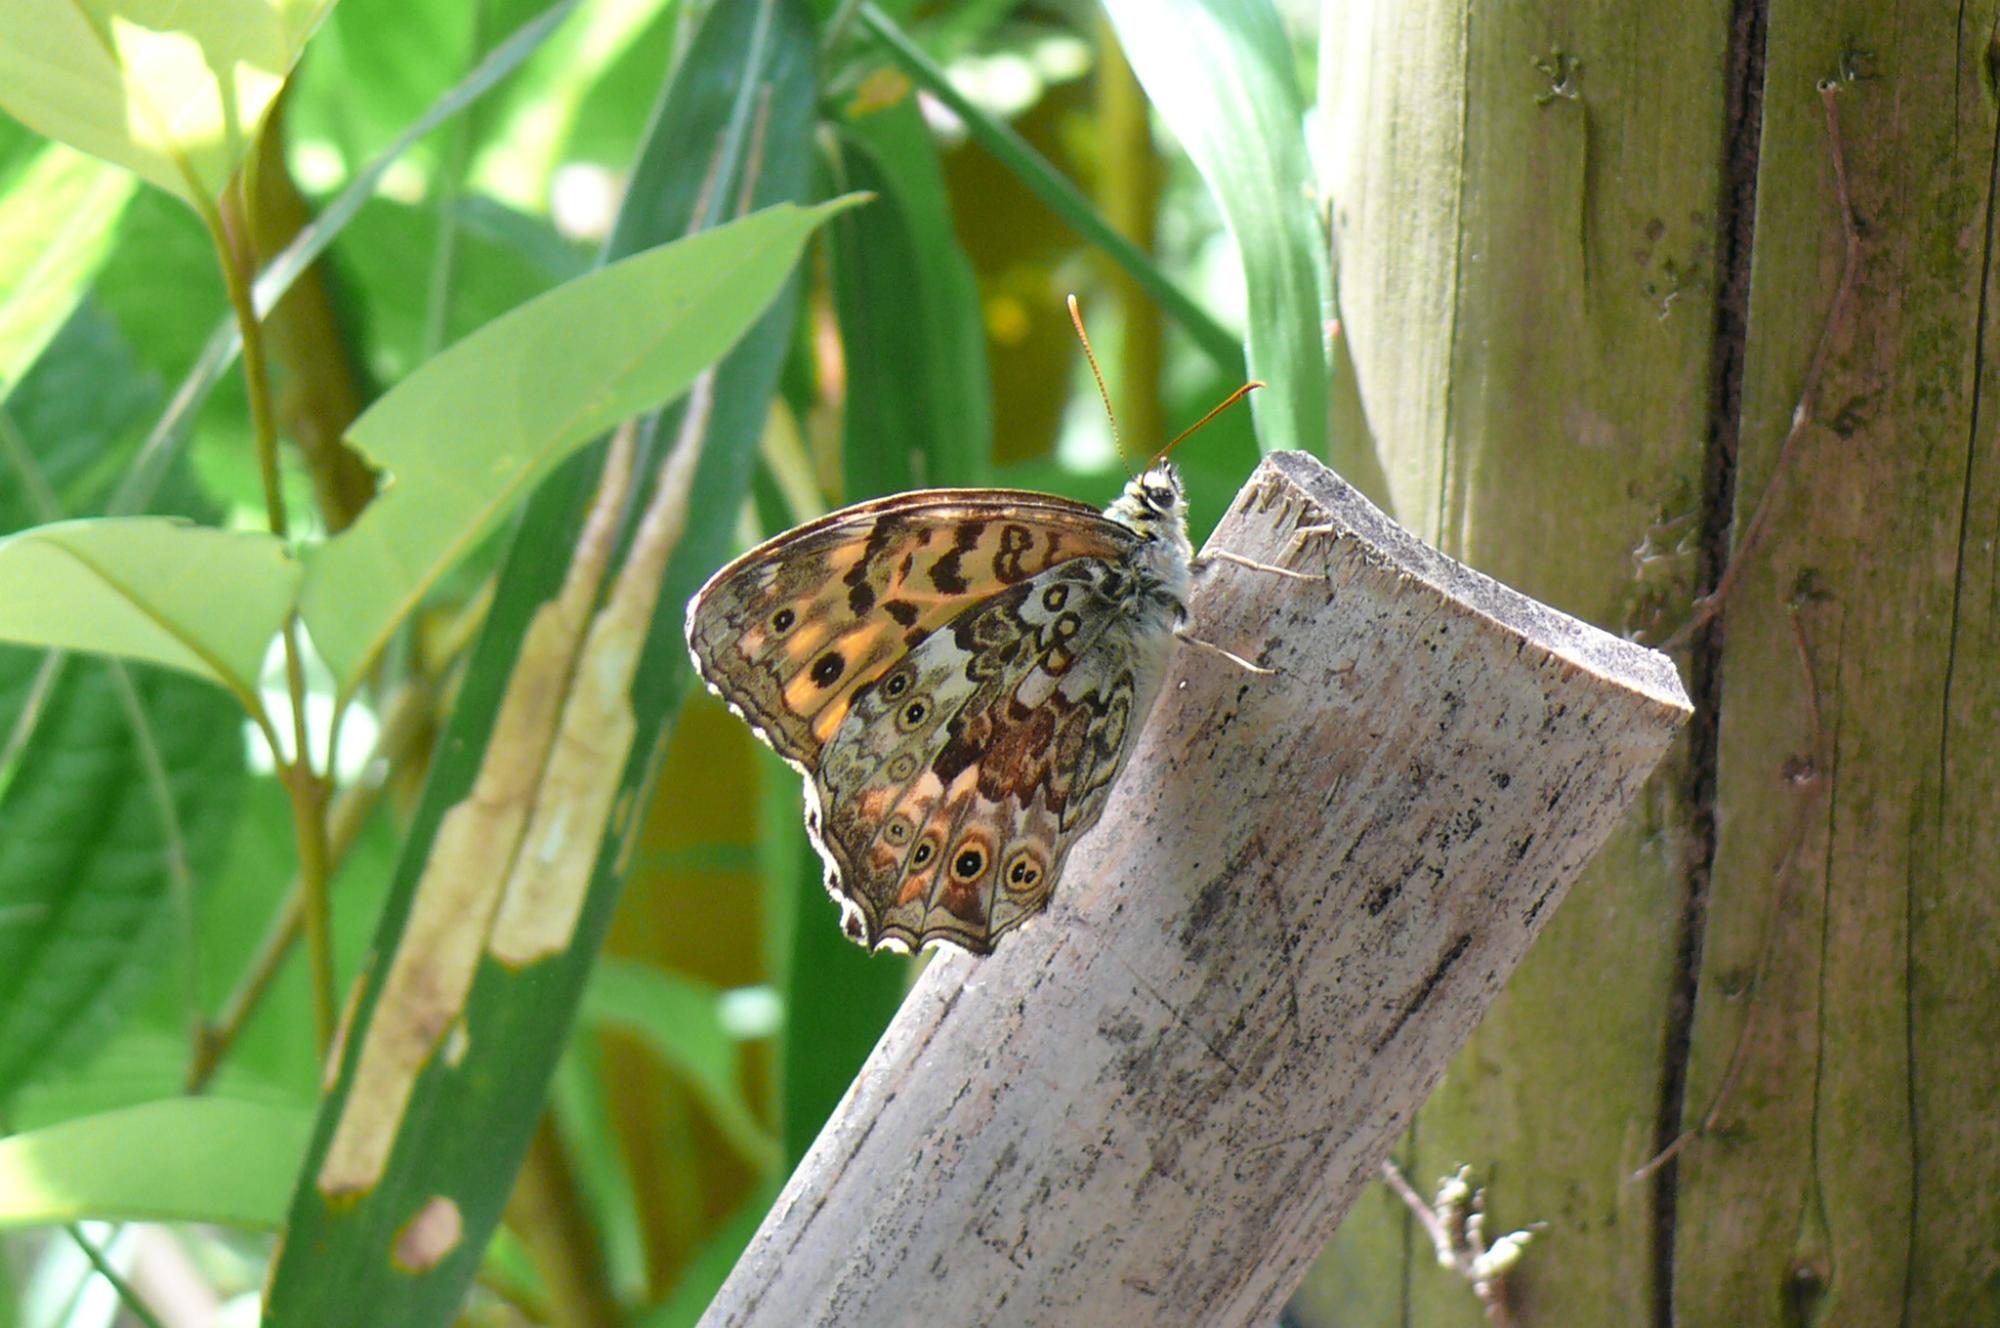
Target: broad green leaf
481,424
75,416
183,1159
1220,73
161,285
173,92
676,1017
57,219
208,357
125,783
149,588
388,249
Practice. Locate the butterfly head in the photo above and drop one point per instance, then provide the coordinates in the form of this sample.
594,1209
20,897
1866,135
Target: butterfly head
1154,505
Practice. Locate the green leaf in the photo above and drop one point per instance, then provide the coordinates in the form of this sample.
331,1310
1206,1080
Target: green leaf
207,358
838,997
676,1017
57,219
956,380
100,818
734,130
387,251
121,784
184,1159
917,410
74,416
172,92
887,429
481,424
149,588
1220,73
1049,184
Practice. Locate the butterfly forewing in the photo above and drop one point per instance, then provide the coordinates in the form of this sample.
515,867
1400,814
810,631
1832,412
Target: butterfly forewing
790,631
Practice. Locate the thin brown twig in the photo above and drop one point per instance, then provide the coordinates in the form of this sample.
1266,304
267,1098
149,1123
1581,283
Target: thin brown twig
1708,606
1782,883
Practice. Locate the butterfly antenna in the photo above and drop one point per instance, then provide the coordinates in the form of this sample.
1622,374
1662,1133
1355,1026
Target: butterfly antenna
1076,317
1225,404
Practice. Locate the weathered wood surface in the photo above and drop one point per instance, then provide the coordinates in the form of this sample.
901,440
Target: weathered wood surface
1154,1105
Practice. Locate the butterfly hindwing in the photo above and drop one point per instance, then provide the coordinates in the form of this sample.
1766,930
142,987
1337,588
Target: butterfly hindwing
947,803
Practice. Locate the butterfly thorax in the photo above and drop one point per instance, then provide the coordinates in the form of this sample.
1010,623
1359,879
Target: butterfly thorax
1154,507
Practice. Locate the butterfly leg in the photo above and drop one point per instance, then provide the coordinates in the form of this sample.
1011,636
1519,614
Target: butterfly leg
1224,556
1229,655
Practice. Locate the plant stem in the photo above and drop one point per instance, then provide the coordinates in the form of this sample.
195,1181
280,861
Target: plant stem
122,1288
238,261
308,793
407,718
306,789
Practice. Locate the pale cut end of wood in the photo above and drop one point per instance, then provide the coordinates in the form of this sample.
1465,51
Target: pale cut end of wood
1154,1105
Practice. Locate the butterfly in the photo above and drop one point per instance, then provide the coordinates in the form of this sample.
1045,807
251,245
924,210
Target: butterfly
960,676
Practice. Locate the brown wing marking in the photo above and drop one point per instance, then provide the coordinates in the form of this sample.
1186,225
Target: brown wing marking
790,632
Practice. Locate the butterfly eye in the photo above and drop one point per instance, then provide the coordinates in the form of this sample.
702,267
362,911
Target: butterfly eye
1159,497
1024,871
969,863
782,620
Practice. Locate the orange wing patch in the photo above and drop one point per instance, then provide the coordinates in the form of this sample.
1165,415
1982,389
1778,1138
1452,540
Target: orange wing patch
810,618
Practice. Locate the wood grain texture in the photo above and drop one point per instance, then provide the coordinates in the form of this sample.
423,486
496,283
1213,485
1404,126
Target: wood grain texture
1851,1169
1154,1105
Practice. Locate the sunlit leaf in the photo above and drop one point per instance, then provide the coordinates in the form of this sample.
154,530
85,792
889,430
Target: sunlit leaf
173,92
57,219
149,588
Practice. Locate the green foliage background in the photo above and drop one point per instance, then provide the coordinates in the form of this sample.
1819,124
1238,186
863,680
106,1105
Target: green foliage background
147,845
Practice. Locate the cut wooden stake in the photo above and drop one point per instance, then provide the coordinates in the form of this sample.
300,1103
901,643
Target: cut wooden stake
1154,1105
